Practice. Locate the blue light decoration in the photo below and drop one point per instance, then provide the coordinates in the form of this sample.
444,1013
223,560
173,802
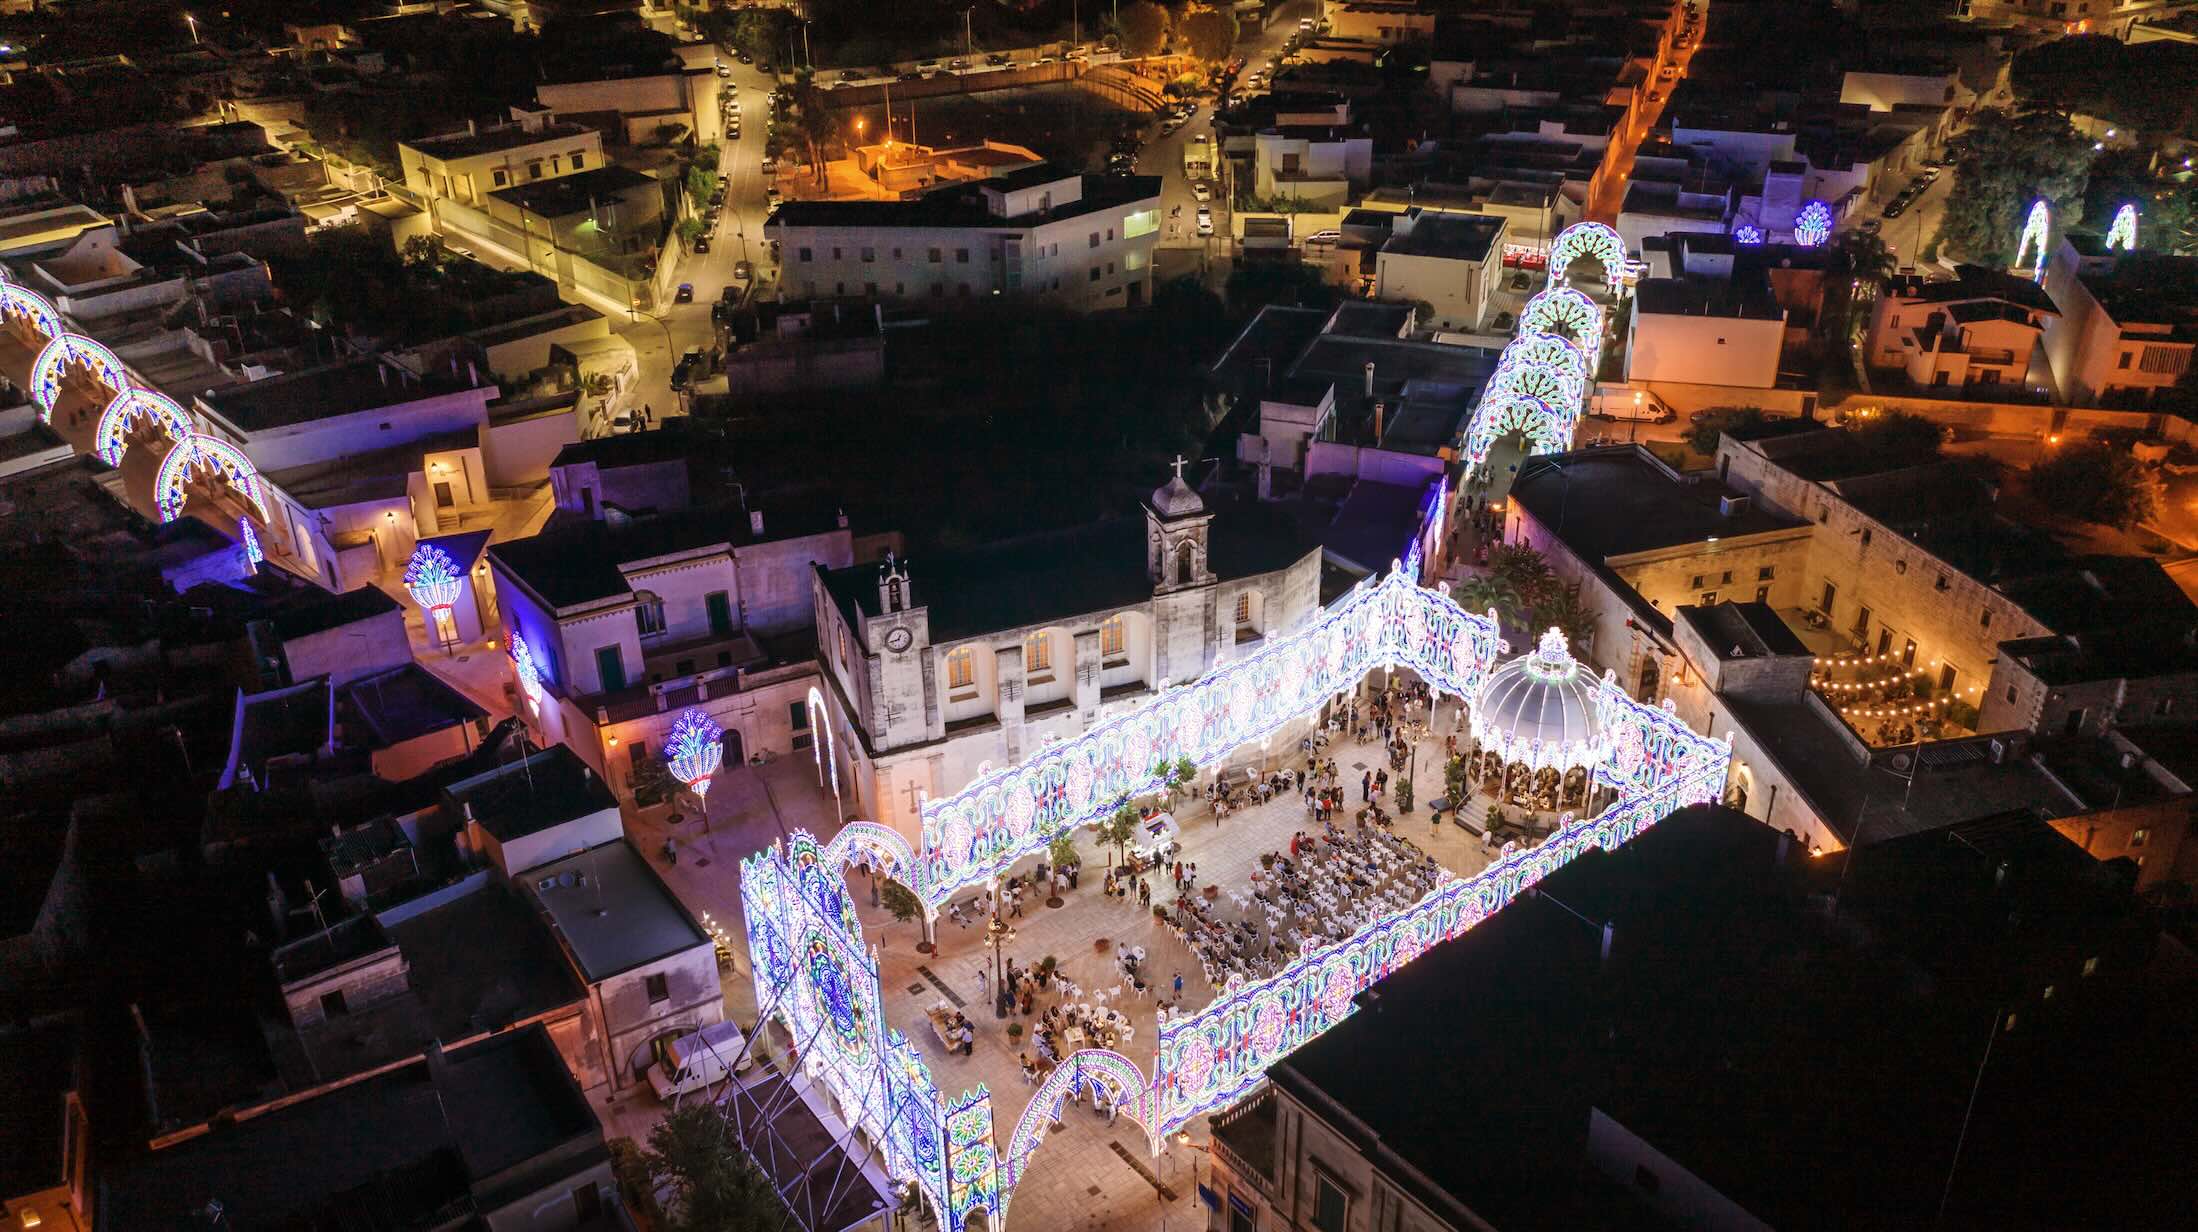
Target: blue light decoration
1814,225
695,749
1747,233
524,666
1587,239
249,538
21,305
815,973
67,353
1565,311
2123,234
196,458
432,578
131,409
2036,229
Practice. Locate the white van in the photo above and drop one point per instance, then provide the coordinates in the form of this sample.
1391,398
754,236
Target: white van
690,1063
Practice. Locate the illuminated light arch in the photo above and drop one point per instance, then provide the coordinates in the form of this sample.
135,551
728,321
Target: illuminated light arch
2035,229
525,666
20,303
1545,429
1587,239
130,408
816,974
1814,225
2123,234
1746,233
73,349
1541,350
191,457
1562,388
1085,1070
1563,310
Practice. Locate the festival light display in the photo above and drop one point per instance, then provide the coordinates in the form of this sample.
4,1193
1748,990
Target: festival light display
20,304
249,540
820,723
524,666
196,457
694,750
1814,225
1563,310
1587,239
68,351
130,409
2123,234
1746,233
814,972
1013,812
1552,671
2035,230
432,578
1546,430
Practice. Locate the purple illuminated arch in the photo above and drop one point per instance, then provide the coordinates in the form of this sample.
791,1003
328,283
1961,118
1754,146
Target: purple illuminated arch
196,455
131,408
20,303
75,350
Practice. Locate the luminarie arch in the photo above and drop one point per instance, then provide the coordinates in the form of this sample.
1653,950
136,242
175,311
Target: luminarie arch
76,351
133,408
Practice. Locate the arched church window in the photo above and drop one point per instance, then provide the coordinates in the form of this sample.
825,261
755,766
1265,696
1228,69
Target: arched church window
1186,563
961,668
1113,637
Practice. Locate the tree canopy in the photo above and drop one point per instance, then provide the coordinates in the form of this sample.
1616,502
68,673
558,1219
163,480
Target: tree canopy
1144,28
1703,435
2003,163
2096,482
2126,84
1209,33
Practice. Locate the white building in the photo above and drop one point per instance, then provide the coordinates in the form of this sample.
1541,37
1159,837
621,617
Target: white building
1082,241
467,167
2127,326
1446,261
954,664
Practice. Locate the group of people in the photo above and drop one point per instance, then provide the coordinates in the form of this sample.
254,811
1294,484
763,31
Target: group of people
1324,888
1095,1026
1225,799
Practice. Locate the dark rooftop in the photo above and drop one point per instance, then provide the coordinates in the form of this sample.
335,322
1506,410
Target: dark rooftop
1742,630
493,138
579,562
568,195
1974,282
316,611
625,449
1086,569
402,1149
1740,298
323,393
1619,500
551,787
1458,237
613,910
401,704
962,205
293,721
1376,525
37,1068
482,962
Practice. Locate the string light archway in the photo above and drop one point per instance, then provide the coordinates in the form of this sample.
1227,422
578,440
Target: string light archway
131,408
1566,311
2123,234
1546,430
1587,239
2035,230
20,303
73,350
198,455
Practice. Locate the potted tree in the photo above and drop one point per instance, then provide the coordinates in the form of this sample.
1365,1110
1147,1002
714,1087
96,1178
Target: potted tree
1119,830
1062,852
901,902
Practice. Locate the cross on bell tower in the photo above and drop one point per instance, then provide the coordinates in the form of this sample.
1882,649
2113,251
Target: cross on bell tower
1177,526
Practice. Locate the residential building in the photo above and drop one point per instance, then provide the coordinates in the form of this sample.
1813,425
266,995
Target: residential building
1447,261
2127,323
609,214
1976,334
1317,164
627,624
1081,241
1705,331
469,167
1381,21
976,659
45,1140
494,1132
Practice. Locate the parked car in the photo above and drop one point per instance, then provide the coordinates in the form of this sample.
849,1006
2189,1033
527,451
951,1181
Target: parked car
1330,236
724,70
850,74
957,64
685,294
1870,226
1205,221
1201,191
998,58
744,270
765,67
689,1063
702,244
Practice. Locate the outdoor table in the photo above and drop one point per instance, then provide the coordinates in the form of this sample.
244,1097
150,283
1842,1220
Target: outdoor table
942,1025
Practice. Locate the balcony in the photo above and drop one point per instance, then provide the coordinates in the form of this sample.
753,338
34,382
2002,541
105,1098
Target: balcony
1247,1134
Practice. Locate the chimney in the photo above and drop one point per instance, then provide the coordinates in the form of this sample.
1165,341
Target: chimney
1379,408
473,374
843,519
1369,378
755,523
472,129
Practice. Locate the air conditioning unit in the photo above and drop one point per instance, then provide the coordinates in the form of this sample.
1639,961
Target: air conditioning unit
1732,506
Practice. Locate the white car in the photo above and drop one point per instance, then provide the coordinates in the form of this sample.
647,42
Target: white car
1200,191
1205,221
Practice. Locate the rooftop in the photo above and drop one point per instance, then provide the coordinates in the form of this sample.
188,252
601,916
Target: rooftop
482,962
401,1149
1973,282
964,205
614,912
313,610
495,138
1740,298
1083,570
580,562
568,195
1456,237
403,703
1742,630
1619,500
549,788
323,393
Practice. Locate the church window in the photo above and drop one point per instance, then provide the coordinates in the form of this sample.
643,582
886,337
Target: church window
1038,655
1244,607
1186,563
961,668
1113,637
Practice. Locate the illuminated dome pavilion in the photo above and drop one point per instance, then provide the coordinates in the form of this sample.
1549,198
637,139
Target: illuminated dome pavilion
1537,729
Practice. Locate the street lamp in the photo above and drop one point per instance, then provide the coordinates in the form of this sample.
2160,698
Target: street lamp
192,22
997,934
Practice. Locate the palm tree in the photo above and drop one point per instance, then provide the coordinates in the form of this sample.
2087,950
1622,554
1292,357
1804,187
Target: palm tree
1868,259
1563,608
1489,592
812,121
1523,567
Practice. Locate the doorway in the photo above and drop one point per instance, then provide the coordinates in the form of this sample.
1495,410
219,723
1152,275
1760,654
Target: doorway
734,755
445,498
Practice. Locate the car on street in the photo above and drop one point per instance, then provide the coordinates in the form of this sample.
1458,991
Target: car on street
998,58
687,369
685,294
744,270
1305,24
1330,236
1205,221
724,70
702,244
745,58
765,67
910,75
1896,209
1870,226
957,64
850,74
1201,191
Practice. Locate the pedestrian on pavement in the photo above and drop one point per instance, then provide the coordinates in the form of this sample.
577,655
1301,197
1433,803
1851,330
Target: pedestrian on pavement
980,983
1179,986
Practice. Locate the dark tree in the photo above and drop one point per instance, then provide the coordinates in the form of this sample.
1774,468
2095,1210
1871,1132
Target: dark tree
1702,436
1144,28
2097,483
2005,162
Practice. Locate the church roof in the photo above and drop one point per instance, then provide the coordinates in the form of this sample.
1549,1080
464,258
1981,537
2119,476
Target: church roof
1175,499
1034,579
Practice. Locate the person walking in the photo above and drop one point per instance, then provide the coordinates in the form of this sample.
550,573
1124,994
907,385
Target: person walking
1366,787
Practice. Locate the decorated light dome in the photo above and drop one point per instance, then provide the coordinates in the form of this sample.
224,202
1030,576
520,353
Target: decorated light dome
1539,710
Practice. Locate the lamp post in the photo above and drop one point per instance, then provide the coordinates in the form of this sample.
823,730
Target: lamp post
997,934
192,22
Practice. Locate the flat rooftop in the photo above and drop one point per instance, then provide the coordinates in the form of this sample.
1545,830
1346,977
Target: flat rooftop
494,138
1619,500
551,787
1456,237
614,912
324,393
568,195
964,205
580,562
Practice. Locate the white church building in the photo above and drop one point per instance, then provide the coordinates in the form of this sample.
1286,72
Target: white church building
951,665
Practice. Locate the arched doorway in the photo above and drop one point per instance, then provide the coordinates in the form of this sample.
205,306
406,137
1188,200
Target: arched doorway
735,755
